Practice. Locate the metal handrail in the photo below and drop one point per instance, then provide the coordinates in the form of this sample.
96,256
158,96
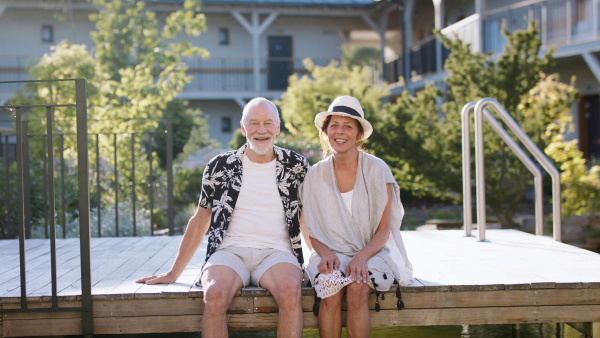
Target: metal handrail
482,113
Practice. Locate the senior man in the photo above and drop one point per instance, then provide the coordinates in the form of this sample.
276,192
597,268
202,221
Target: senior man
250,207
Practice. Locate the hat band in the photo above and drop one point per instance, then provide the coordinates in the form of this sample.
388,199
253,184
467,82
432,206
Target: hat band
345,109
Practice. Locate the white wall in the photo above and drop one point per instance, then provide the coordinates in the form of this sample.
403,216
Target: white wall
20,31
213,111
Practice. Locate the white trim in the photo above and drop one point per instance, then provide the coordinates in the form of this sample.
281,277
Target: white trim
520,4
593,63
256,28
462,23
241,102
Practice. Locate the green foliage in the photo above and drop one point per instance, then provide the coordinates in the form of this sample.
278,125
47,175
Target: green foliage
472,76
361,56
237,140
188,185
580,184
417,145
308,95
550,101
137,70
426,158
190,132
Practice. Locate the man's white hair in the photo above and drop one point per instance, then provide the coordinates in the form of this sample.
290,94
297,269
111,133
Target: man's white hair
256,102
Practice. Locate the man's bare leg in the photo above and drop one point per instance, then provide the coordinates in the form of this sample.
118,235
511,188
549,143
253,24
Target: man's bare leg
284,281
219,284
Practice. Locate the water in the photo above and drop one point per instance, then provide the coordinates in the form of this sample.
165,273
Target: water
465,331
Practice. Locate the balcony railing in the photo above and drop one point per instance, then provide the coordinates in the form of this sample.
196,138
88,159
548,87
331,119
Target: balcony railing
218,74
561,22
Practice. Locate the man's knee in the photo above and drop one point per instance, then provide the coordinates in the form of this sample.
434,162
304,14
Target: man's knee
217,297
289,287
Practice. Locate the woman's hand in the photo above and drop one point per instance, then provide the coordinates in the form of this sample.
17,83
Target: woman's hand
357,270
329,263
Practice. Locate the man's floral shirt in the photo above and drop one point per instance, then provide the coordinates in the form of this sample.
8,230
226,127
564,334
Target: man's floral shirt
221,184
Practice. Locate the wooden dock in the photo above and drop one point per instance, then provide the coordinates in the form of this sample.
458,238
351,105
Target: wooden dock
513,277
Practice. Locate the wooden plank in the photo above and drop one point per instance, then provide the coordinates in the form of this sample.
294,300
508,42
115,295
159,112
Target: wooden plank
158,260
267,321
10,249
139,325
111,266
42,327
484,316
37,266
427,300
269,305
38,269
141,308
164,307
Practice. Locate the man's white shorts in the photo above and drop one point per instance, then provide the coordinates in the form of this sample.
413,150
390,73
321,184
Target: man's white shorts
249,263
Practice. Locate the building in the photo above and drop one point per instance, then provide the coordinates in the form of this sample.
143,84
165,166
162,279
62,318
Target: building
256,45
571,26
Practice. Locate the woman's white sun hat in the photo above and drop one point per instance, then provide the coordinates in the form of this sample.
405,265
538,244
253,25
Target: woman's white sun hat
346,106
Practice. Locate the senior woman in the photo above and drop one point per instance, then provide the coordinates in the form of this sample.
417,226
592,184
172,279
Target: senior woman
352,210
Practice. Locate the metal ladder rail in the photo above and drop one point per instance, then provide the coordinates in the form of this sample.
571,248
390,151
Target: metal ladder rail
480,114
529,164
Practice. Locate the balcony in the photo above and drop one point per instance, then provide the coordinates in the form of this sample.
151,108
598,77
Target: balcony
226,76
571,26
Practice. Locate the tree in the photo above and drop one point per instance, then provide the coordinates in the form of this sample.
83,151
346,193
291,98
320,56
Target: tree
433,132
133,77
308,95
420,139
580,185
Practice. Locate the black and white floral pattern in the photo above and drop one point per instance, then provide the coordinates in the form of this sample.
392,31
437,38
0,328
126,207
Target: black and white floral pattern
221,184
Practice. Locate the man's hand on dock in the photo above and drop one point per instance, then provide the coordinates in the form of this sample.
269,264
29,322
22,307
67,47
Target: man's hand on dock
157,279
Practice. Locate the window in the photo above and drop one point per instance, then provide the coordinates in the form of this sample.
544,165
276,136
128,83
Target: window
223,36
226,124
47,33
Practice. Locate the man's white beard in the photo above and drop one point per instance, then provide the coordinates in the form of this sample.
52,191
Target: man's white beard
261,149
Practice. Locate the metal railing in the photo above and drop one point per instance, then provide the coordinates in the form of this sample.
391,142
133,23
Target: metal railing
113,181
215,74
80,106
482,113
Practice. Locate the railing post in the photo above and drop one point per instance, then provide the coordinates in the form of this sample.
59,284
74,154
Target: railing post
133,182
116,175
63,170
7,195
170,176
569,21
151,184
98,187
595,18
21,206
52,202
84,206
544,24
466,153
26,178
45,192
480,172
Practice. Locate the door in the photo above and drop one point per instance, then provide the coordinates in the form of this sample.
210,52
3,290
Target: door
280,63
589,126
